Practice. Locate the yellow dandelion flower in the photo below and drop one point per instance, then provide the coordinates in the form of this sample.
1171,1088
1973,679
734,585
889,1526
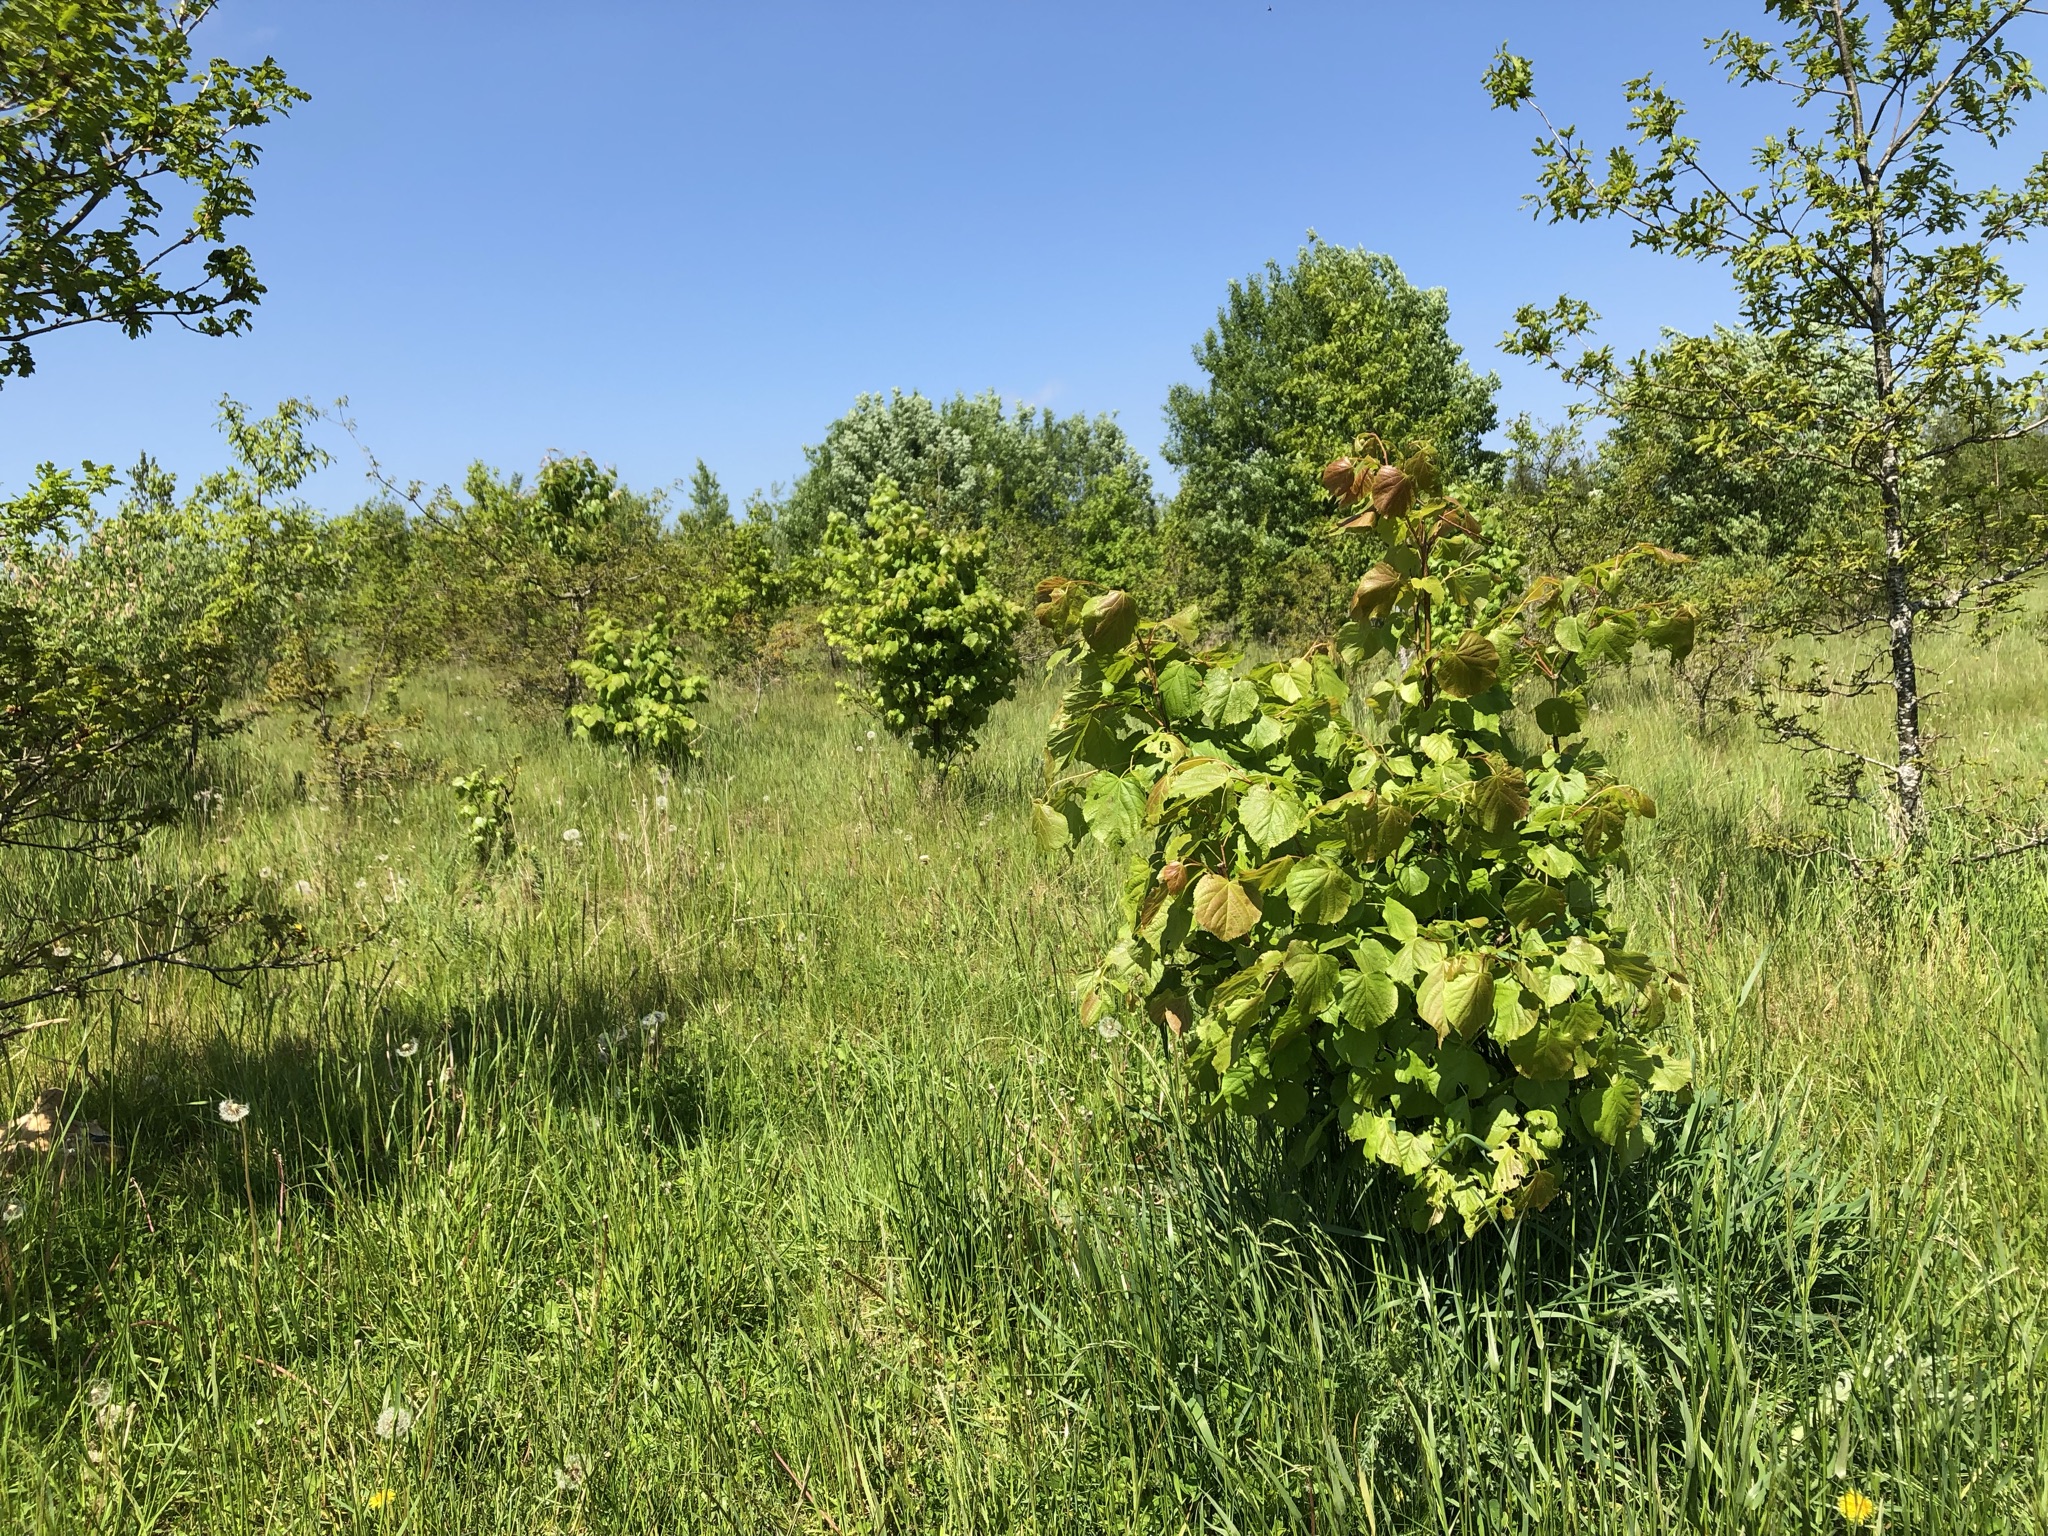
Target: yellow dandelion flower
1855,1507
383,1498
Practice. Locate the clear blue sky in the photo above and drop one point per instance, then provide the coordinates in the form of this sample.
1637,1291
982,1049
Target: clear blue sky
654,232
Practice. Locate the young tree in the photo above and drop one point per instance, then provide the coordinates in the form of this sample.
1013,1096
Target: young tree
929,641
1301,360
103,117
710,507
1851,238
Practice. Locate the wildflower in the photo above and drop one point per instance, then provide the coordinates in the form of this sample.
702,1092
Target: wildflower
393,1423
1855,1507
410,1049
12,1212
381,1499
570,1473
98,1395
232,1112
871,735
1109,1029
572,836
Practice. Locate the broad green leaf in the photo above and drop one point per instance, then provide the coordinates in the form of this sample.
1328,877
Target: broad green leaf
1193,777
1558,716
1672,1076
1314,975
1225,908
1049,827
1378,590
1180,689
1399,921
1109,621
1532,903
1674,632
1270,815
1613,1113
1471,666
1319,891
1370,998
1114,808
1457,996
1500,800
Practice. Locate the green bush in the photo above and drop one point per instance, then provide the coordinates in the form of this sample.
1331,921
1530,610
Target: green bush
1367,911
484,802
637,692
929,643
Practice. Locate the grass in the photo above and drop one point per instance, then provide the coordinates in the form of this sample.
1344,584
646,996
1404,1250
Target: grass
741,1166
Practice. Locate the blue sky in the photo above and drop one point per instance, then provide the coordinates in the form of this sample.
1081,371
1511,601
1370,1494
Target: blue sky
654,232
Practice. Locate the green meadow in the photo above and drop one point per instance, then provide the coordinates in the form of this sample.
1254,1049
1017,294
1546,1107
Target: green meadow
735,1160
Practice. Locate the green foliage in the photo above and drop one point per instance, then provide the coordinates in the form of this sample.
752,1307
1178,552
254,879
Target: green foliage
1068,487
1870,279
1371,914
1299,361
100,109
357,751
484,804
928,641
526,567
209,584
88,753
637,691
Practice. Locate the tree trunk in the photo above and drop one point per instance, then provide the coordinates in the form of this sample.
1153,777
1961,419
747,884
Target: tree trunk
1909,809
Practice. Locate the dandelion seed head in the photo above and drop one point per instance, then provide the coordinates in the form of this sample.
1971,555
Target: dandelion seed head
410,1049
362,885
232,1111
661,803
571,1473
12,1212
572,836
303,887
265,873
393,1423
98,1395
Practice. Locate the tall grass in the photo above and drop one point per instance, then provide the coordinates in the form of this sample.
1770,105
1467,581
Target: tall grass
741,1166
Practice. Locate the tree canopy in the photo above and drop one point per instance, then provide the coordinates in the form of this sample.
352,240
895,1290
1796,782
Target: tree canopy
1300,361
103,118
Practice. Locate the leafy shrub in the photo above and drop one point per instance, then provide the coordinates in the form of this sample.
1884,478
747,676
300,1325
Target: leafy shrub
485,805
358,754
637,692
930,644
1367,911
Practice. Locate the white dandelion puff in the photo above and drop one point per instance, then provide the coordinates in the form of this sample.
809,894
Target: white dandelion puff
410,1049
661,804
12,1212
265,873
232,1111
393,1423
303,887
572,836
871,735
571,1473
98,1395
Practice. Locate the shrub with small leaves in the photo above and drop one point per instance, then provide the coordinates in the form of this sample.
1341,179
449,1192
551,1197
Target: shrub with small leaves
637,691
485,805
1368,903
930,645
